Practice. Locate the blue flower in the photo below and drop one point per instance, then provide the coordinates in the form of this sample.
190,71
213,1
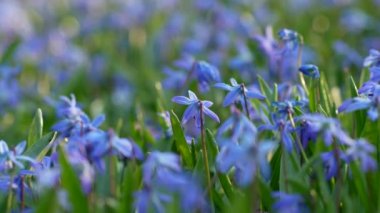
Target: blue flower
310,70
284,108
373,59
195,108
237,91
287,203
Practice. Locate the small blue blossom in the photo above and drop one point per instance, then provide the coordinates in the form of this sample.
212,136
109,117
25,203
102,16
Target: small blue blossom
310,70
195,108
237,91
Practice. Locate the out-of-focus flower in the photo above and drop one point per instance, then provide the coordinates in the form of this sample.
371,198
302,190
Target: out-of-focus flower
165,182
195,108
206,74
237,91
289,203
238,123
361,150
310,70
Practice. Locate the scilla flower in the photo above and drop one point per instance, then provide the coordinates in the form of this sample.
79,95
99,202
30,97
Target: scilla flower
310,70
195,108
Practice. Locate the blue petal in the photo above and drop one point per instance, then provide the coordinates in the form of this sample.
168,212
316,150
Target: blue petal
255,95
98,120
211,114
223,86
192,96
373,113
354,104
190,113
207,103
231,97
20,148
182,100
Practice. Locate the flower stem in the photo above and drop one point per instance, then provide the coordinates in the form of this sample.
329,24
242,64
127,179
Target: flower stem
204,150
245,101
338,177
297,138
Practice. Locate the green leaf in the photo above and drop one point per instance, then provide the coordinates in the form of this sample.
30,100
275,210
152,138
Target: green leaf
212,148
130,183
358,116
40,148
265,194
10,50
36,128
71,183
226,184
265,89
47,202
360,184
275,164
180,141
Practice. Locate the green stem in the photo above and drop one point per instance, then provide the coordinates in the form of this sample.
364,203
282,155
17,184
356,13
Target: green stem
245,101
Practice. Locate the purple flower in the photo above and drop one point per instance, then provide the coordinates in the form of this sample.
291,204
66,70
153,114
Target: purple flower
237,91
310,70
290,38
195,108
174,80
287,203
286,107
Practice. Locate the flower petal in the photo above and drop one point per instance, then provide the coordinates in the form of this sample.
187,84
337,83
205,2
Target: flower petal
231,97
211,114
182,100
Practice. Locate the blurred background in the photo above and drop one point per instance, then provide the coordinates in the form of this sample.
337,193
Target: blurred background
127,58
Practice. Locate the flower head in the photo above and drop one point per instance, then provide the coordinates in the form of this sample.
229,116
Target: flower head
237,91
195,108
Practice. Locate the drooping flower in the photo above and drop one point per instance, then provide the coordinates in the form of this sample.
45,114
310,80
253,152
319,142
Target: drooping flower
238,91
310,70
195,108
